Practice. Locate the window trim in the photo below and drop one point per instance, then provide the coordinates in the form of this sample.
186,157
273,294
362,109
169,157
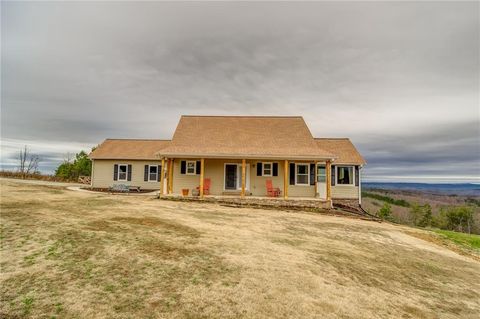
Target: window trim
156,175
271,169
194,168
126,173
307,174
353,175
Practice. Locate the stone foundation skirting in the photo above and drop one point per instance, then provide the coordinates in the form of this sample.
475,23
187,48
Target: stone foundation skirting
297,204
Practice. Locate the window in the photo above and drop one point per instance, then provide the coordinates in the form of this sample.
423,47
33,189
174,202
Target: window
191,167
267,169
321,174
345,175
302,174
152,173
122,172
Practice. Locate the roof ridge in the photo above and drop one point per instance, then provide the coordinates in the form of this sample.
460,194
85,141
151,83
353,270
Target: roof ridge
250,116
136,139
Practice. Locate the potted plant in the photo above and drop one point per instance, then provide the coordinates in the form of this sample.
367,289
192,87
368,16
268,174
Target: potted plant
185,191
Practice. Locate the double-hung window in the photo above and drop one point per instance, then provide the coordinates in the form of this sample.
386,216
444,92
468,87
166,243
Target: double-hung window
152,173
267,169
122,172
191,167
345,175
302,174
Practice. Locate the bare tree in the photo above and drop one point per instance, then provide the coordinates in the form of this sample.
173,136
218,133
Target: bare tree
28,162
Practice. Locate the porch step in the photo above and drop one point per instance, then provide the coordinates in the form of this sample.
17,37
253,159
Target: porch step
235,193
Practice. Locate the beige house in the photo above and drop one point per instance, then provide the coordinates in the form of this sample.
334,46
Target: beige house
234,156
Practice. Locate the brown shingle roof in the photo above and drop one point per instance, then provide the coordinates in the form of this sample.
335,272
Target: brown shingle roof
243,137
343,149
128,149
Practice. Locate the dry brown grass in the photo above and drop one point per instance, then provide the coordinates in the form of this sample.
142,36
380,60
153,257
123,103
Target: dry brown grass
69,254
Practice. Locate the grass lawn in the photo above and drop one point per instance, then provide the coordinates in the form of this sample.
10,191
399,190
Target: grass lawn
67,254
470,241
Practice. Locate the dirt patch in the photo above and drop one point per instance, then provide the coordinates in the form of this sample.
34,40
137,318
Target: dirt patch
165,225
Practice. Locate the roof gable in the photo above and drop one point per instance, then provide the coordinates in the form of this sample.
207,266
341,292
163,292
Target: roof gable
243,136
343,149
137,149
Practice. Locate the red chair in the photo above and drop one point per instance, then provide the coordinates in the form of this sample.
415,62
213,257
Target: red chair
272,191
206,186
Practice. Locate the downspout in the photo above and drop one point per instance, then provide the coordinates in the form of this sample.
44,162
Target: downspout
360,185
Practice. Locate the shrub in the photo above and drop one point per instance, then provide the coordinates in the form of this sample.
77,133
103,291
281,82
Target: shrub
385,212
421,215
458,218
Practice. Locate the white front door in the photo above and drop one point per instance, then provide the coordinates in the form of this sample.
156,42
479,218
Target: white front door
321,181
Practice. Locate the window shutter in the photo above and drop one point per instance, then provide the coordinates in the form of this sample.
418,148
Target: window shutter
259,169
129,173
291,169
145,173
275,169
312,174
159,171
198,167
115,172
183,167
333,175
357,175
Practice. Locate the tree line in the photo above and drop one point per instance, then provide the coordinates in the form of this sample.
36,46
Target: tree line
457,218
72,169
69,169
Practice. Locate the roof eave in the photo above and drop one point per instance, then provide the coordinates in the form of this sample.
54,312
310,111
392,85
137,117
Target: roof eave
245,156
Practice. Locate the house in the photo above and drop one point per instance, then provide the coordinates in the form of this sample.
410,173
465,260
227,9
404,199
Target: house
237,154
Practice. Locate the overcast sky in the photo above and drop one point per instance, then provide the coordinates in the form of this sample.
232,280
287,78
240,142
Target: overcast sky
400,79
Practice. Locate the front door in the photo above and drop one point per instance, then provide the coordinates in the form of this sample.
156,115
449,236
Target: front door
321,181
231,176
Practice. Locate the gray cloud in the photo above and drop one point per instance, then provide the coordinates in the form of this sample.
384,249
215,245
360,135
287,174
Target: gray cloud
400,79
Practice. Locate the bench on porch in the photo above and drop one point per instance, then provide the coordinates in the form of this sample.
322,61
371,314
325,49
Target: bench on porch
122,188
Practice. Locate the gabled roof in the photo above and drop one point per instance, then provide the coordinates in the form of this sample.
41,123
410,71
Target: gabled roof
136,149
343,148
244,137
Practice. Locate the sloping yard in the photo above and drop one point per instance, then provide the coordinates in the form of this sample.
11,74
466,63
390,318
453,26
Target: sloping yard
69,254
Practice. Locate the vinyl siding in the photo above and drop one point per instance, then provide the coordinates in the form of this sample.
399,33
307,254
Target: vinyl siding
102,174
342,191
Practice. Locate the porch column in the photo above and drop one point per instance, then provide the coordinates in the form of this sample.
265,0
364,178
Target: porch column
202,173
170,176
243,177
162,176
285,180
328,167
316,180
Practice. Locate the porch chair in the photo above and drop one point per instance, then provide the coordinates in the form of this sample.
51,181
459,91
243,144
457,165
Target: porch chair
272,191
206,186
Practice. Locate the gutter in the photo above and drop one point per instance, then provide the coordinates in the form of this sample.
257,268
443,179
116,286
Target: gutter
247,156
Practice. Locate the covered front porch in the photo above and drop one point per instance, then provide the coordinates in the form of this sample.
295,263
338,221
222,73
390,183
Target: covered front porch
276,181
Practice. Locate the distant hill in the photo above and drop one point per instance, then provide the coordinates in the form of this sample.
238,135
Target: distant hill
466,189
